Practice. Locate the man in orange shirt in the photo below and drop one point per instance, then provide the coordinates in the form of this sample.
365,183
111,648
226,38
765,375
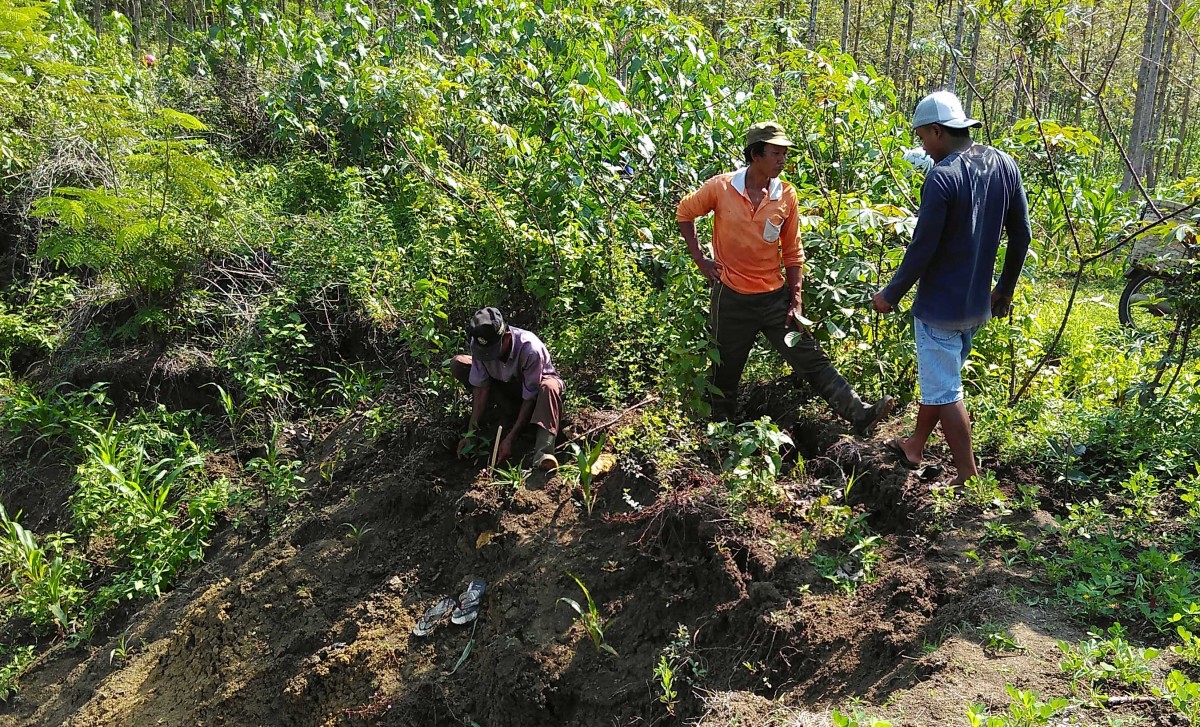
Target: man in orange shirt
755,230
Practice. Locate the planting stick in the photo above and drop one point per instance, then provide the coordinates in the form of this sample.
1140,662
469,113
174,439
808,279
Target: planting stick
495,448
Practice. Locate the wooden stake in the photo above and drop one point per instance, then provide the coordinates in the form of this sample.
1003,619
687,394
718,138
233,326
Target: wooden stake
495,448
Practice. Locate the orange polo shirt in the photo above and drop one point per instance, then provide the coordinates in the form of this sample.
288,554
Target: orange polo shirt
751,244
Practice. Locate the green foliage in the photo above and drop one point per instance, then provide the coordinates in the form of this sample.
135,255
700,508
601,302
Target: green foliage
1102,660
665,673
45,580
583,472
13,663
509,480
678,662
1026,710
1184,695
278,475
751,460
997,639
593,623
856,719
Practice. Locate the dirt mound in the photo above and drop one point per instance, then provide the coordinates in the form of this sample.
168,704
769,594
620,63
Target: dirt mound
312,626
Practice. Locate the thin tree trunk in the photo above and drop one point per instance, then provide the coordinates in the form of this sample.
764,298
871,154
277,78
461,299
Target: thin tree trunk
1162,102
908,31
97,17
887,53
956,49
845,24
973,65
857,26
812,24
1141,133
1183,120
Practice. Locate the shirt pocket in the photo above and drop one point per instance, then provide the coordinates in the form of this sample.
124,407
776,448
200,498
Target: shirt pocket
771,230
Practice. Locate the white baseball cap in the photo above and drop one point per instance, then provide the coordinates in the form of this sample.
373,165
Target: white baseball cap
942,107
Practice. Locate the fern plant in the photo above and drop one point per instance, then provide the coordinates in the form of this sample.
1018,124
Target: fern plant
145,235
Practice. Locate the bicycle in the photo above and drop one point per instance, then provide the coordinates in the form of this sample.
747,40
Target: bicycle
1160,304
1154,273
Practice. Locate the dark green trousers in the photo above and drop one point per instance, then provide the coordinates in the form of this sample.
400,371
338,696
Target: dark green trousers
736,320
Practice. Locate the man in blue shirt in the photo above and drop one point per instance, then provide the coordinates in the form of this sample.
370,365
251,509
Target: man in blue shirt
972,193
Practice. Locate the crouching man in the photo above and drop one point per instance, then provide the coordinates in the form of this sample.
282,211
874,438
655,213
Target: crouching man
515,365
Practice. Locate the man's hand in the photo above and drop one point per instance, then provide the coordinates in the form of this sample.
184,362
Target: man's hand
462,445
1001,304
505,450
880,304
711,269
795,316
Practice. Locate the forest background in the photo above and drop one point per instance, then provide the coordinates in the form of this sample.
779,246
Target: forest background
230,216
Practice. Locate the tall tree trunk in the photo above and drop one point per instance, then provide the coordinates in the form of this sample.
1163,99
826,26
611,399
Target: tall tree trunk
956,49
845,25
133,10
1158,17
1162,102
1183,120
812,24
98,17
858,24
973,64
887,64
904,56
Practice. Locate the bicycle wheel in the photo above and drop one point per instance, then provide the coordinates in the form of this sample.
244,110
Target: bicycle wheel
1144,306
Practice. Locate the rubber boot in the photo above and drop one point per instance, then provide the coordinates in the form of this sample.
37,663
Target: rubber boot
543,451
846,402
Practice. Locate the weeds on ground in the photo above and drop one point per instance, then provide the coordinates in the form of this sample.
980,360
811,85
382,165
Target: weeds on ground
13,663
665,674
45,581
983,491
355,534
856,719
997,639
1026,710
591,620
677,662
751,456
847,571
1106,658
278,476
121,651
1184,695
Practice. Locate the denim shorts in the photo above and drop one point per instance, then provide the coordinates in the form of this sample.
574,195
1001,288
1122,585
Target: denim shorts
941,355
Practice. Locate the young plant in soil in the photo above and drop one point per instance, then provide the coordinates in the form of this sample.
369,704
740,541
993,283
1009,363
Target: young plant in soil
1101,660
1027,710
665,674
508,480
589,618
584,471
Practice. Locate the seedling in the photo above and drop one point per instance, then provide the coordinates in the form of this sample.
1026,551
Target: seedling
584,471
356,534
997,639
590,619
666,684
509,479
121,651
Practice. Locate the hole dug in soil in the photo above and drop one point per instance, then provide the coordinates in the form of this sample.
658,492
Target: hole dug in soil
313,628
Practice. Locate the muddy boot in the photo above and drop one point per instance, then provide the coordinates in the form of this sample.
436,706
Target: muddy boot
543,451
846,403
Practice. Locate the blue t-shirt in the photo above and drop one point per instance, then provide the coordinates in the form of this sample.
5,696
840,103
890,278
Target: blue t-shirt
967,199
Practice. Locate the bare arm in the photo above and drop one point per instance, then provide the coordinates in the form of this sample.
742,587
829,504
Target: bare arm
710,268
